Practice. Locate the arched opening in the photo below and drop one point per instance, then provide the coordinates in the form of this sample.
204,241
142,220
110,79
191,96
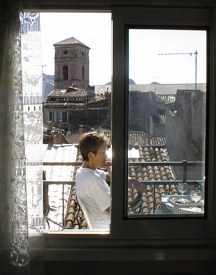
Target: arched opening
65,72
83,73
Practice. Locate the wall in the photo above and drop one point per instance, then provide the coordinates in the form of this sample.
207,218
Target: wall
185,129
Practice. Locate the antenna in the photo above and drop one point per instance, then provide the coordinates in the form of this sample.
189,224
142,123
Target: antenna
189,53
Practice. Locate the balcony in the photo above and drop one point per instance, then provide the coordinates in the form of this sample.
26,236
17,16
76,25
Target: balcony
153,169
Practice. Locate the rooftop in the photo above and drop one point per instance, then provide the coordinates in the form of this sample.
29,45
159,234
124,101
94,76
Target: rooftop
70,41
69,92
154,87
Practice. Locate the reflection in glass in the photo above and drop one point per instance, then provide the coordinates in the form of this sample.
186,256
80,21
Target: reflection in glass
167,109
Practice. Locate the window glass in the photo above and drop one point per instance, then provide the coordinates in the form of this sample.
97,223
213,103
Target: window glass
77,100
166,122
64,117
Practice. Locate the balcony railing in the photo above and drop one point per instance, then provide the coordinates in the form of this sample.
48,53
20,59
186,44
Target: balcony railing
184,164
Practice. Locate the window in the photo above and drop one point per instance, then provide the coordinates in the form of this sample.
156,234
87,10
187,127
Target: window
125,23
64,117
83,73
51,116
79,107
164,242
65,72
166,122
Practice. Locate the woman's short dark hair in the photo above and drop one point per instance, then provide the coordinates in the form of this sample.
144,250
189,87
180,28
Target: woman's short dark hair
90,142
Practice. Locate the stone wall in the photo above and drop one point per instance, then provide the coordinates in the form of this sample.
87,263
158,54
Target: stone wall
185,129
143,106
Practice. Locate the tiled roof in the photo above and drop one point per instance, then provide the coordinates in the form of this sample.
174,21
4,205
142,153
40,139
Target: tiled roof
141,139
151,195
69,41
63,173
70,92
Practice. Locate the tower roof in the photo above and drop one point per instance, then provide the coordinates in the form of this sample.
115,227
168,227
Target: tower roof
69,41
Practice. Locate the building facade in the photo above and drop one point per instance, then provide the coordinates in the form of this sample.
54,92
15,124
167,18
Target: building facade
71,64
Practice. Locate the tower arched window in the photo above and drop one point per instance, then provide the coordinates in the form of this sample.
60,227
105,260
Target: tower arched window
65,72
83,73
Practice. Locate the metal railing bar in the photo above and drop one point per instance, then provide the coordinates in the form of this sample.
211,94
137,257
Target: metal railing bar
72,163
150,163
71,182
47,182
169,182
167,163
183,163
45,217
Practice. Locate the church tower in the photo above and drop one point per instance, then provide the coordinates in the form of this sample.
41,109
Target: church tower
71,64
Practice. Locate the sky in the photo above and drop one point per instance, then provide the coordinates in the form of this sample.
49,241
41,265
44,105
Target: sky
167,56
92,29
152,53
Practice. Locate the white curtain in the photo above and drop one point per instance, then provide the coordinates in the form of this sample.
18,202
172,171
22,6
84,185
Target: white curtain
32,110
21,211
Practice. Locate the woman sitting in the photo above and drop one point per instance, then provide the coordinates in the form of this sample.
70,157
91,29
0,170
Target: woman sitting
91,180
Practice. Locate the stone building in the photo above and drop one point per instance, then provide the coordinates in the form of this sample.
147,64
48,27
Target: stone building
71,64
185,129
145,111
73,102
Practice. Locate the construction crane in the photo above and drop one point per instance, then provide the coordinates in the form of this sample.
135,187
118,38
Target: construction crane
189,53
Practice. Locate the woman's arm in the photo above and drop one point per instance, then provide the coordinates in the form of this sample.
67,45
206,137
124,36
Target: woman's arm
109,172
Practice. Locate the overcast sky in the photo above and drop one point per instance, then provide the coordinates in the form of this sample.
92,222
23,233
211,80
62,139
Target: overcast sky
146,46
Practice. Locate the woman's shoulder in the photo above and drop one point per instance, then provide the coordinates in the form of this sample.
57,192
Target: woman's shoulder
85,172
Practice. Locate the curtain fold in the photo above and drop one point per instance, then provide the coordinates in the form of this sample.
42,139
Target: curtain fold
15,257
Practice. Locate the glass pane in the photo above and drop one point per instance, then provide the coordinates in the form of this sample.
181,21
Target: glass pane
76,100
166,122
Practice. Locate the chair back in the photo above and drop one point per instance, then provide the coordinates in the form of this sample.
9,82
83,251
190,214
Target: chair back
85,212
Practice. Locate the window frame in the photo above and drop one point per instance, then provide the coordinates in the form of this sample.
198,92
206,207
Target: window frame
124,236
167,18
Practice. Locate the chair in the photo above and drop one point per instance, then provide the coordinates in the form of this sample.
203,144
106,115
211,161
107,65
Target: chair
136,203
85,213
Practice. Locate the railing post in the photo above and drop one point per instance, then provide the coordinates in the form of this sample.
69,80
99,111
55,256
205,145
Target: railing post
154,200
63,204
184,166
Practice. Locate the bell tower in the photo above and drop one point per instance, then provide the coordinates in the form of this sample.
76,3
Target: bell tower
71,64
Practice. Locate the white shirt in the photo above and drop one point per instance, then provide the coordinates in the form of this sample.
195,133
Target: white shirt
94,192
